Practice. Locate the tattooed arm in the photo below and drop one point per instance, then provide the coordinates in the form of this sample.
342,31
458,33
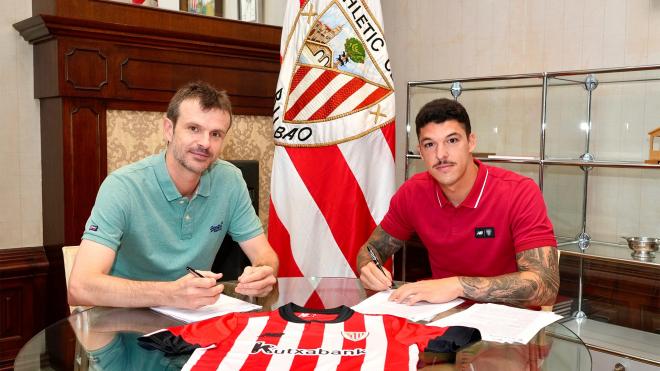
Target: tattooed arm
535,283
384,246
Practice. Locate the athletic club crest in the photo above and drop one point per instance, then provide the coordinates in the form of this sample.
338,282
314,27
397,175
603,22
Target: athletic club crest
335,84
354,335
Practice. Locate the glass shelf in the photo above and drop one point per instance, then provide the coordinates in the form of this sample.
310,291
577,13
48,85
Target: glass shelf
606,252
559,162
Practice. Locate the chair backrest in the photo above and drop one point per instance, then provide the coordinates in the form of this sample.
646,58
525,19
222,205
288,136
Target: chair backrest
69,254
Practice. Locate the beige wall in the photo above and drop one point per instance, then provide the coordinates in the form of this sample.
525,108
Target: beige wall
427,39
440,39
20,144
486,38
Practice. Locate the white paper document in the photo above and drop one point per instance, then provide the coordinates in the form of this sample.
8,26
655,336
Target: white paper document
422,311
500,323
225,304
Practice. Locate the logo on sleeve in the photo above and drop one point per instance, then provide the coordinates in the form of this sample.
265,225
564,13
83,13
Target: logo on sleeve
484,232
93,228
216,228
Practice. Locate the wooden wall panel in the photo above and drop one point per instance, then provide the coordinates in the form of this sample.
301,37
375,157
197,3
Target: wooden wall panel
85,160
85,68
622,294
22,297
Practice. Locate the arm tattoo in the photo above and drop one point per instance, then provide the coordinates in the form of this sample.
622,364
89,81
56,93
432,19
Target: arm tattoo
535,283
382,244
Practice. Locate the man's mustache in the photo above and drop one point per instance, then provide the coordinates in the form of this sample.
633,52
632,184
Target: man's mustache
201,149
443,162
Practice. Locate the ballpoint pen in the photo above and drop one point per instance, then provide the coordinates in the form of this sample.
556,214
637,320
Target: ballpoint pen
377,262
195,273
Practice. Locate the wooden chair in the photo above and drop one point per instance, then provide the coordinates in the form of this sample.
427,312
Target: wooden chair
69,254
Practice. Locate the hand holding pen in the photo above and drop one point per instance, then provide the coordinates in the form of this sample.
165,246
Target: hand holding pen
193,289
197,274
376,261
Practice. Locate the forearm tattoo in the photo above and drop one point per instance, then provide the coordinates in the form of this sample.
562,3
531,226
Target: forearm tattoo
535,283
382,244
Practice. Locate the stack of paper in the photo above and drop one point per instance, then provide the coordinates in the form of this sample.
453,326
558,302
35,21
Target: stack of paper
501,323
422,311
225,304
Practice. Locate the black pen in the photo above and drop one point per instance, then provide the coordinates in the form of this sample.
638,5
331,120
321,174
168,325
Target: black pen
195,273
377,262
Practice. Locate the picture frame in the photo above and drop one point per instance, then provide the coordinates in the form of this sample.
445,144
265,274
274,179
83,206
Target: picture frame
250,10
204,7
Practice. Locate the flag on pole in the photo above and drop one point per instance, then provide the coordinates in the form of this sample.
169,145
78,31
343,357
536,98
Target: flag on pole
333,122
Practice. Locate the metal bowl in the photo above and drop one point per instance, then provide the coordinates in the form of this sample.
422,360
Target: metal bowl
643,247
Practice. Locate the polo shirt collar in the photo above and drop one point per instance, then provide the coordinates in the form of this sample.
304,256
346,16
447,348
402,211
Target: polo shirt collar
167,185
474,197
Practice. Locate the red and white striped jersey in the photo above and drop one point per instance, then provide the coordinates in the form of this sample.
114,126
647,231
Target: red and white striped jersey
298,338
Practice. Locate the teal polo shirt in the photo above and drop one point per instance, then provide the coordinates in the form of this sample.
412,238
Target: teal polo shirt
156,232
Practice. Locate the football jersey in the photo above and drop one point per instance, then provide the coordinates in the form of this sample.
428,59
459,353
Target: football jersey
298,338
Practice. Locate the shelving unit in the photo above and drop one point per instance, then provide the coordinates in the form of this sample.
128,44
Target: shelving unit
568,131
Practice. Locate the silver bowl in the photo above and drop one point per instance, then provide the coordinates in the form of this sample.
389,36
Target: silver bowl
643,247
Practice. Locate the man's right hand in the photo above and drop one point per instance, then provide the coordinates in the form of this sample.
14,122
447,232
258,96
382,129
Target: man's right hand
192,292
373,279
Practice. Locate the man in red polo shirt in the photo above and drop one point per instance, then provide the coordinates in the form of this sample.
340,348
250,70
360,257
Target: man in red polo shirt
486,229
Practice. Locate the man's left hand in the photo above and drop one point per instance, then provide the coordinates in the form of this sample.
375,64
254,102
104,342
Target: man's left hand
432,291
256,281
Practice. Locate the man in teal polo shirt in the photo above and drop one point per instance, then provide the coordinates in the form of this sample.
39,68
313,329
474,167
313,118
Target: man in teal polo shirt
155,217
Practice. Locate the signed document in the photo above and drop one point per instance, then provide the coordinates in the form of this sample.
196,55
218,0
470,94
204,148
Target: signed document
225,304
422,311
501,323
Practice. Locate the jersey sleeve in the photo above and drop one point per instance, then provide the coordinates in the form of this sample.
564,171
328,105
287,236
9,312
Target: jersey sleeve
109,217
530,225
436,339
397,219
185,339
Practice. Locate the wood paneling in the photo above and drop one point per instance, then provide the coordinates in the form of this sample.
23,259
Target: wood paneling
23,273
622,294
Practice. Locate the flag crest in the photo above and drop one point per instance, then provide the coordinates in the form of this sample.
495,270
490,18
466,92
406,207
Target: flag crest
333,129
335,84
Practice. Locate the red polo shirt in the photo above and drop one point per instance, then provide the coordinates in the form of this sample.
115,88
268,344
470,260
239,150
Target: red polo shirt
503,214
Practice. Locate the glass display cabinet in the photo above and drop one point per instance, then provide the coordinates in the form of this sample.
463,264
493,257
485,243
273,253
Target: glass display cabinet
588,138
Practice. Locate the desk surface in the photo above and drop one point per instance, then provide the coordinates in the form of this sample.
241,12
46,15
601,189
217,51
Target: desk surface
104,338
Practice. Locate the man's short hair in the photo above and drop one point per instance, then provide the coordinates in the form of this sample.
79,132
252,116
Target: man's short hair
441,110
206,94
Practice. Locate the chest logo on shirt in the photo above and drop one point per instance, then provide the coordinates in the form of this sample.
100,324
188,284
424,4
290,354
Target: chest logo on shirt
354,335
484,232
216,228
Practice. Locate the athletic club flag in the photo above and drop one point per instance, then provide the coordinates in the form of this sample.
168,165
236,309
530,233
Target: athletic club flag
333,168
